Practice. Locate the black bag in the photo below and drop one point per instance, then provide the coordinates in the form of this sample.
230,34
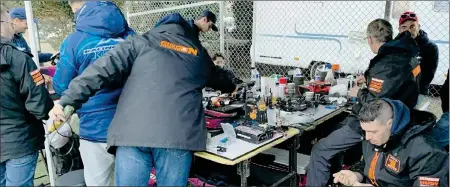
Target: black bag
67,158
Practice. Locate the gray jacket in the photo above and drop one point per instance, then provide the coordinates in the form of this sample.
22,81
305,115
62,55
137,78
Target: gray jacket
162,73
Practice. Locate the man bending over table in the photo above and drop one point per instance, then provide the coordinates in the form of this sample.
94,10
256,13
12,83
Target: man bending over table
159,120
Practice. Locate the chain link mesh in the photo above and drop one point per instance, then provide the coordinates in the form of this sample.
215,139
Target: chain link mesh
143,15
306,34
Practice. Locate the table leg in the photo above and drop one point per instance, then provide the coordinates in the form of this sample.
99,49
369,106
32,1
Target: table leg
293,161
244,171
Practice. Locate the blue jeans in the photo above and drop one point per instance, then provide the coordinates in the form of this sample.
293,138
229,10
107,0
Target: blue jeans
19,171
419,100
134,164
440,131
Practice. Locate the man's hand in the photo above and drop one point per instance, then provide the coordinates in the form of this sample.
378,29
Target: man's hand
346,177
360,80
354,91
48,79
235,91
54,56
49,83
57,113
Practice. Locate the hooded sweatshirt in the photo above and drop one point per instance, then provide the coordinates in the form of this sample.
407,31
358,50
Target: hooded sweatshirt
411,157
100,25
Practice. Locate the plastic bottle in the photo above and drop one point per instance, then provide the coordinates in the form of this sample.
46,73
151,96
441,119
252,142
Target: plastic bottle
330,74
255,77
282,87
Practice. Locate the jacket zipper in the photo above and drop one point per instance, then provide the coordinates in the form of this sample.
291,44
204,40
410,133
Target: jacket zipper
373,167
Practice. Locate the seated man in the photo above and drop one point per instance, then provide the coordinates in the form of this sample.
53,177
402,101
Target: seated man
393,73
219,61
397,151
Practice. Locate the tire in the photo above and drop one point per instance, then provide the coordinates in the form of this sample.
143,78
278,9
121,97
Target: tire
313,68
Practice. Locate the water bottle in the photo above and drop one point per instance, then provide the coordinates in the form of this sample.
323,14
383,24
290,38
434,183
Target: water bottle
255,77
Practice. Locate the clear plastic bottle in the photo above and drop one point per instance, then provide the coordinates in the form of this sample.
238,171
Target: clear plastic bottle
255,77
282,87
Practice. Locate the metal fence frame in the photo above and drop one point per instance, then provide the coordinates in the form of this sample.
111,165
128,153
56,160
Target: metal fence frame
236,49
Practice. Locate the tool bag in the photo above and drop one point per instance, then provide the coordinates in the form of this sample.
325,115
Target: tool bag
67,158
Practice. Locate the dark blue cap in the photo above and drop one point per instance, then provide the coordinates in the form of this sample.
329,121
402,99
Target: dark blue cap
19,13
211,17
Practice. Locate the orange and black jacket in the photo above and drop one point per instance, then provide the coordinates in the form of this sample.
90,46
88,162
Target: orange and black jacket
410,158
393,73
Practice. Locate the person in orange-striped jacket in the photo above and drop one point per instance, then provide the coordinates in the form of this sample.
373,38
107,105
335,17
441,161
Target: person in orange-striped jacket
398,149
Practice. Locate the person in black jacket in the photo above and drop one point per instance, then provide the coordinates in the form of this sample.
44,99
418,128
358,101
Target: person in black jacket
428,53
19,18
219,61
393,73
159,120
440,131
397,150
25,102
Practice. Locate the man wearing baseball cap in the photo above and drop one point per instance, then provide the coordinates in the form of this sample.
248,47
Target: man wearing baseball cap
159,119
19,18
428,54
206,22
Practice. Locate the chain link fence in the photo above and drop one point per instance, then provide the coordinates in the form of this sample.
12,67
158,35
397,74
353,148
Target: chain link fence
301,34
143,15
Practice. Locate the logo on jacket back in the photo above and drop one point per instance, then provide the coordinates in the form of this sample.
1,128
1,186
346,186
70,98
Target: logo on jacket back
179,48
102,47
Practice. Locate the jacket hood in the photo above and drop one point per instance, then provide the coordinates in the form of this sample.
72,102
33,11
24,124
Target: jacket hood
174,18
188,27
403,43
4,40
401,117
406,124
101,18
420,121
422,38
4,64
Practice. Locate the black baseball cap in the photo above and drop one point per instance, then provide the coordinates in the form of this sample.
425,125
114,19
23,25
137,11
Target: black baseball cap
211,17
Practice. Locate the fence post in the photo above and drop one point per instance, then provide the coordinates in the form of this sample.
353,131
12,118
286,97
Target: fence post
222,26
388,10
253,48
127,9
31,32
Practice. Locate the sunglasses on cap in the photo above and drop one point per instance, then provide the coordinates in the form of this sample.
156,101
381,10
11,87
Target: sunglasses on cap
412,15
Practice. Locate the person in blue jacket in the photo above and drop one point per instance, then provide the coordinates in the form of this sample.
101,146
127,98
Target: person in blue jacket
19,18
100,25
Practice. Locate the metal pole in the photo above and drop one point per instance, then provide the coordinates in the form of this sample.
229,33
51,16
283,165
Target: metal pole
127,9
48,154
222,26
388,10
253,48
31,31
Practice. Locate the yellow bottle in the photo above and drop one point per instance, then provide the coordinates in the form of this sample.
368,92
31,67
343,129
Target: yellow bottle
54,126
68,111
